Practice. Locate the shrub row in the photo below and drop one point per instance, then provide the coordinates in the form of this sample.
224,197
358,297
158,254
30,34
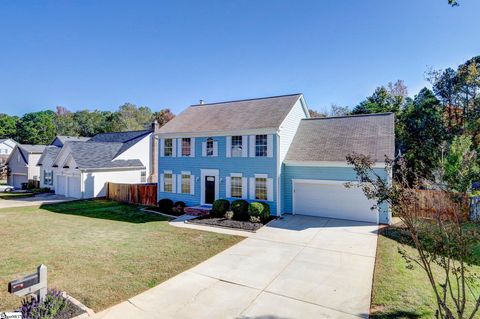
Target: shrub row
241,209
167,205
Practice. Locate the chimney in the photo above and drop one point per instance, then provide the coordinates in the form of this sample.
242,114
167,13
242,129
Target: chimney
201,102
155,126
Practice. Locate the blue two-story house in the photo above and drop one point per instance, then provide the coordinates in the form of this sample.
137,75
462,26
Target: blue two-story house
268,149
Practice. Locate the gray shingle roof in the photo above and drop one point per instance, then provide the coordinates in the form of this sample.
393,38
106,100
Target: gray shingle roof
128,139
100,155
63,138
36,149
258,113
332,139
50,153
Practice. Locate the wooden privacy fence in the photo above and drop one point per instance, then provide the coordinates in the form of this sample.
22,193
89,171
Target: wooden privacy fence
141,194
431,203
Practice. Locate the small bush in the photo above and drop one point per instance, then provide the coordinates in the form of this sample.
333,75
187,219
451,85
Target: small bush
229,215
165,204
240,209
260,210
220,207
53,304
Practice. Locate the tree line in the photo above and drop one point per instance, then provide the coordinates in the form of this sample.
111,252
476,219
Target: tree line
434,122
42,127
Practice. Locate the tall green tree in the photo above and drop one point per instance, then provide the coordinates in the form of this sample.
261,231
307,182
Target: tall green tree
92,122
421,130
131,117
65,123
385,99
37,128
8,126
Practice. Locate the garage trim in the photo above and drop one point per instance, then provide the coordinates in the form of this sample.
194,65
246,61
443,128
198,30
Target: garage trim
321,182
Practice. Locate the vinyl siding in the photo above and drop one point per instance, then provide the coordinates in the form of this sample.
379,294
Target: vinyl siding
289,128
142,151
322,173
247,166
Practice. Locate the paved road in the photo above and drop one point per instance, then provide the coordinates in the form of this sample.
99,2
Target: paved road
296,267
33,201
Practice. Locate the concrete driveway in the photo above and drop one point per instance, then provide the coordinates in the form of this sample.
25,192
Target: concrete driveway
33,201
296,267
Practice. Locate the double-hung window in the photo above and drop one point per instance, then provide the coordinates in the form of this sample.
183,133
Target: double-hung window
210,147
261,148
236,146
168,182
168,147
186,146
143,176
261,191
48,177
236,187
185,181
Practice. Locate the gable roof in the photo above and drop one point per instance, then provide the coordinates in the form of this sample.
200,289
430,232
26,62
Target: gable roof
260,113
63,138
128,139
32,149
50,153
99,155
333,138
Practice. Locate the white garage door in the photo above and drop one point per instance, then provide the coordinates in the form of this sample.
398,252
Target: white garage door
18,180
74,189
61,187
332,199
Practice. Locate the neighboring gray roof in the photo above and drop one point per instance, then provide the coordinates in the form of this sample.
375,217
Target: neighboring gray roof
100,155
50,153
268,112
128,139
35,149
332,139
64,138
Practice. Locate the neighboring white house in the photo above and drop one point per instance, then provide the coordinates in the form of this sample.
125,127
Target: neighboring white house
82,169
6,148
47,177
22,164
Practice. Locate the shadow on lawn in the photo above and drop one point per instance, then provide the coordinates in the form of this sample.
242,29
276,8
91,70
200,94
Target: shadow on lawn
402,236
104,209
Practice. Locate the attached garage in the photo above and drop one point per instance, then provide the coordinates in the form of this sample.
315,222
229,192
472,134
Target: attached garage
332,199
18,180
61,185
315,168
74,187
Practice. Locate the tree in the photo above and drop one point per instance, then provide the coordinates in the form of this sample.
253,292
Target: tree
65,123
420,131
37,128
8,126
91,123
338,110
444,242
314,113
391,99
163,116
131,118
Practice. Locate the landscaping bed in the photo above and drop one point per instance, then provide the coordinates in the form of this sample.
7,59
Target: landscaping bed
229,223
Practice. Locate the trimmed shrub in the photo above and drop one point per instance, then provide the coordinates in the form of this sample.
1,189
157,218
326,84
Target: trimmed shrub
229,215
240,209
260,210
165,204
220,207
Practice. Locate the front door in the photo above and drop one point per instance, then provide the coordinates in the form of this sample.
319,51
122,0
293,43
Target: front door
209,189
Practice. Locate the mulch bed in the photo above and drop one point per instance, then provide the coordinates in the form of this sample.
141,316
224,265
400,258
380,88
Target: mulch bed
228,223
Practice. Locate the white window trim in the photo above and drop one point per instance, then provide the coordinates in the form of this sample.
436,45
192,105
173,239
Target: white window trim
269,185
162,181
228,186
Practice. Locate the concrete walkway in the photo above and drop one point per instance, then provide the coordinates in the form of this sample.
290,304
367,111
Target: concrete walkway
33,201
296,267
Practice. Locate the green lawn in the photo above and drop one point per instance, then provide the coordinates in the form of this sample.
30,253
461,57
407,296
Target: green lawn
100,252
14,195
399,292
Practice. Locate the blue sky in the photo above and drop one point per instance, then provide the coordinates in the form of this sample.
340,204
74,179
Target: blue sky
100,54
